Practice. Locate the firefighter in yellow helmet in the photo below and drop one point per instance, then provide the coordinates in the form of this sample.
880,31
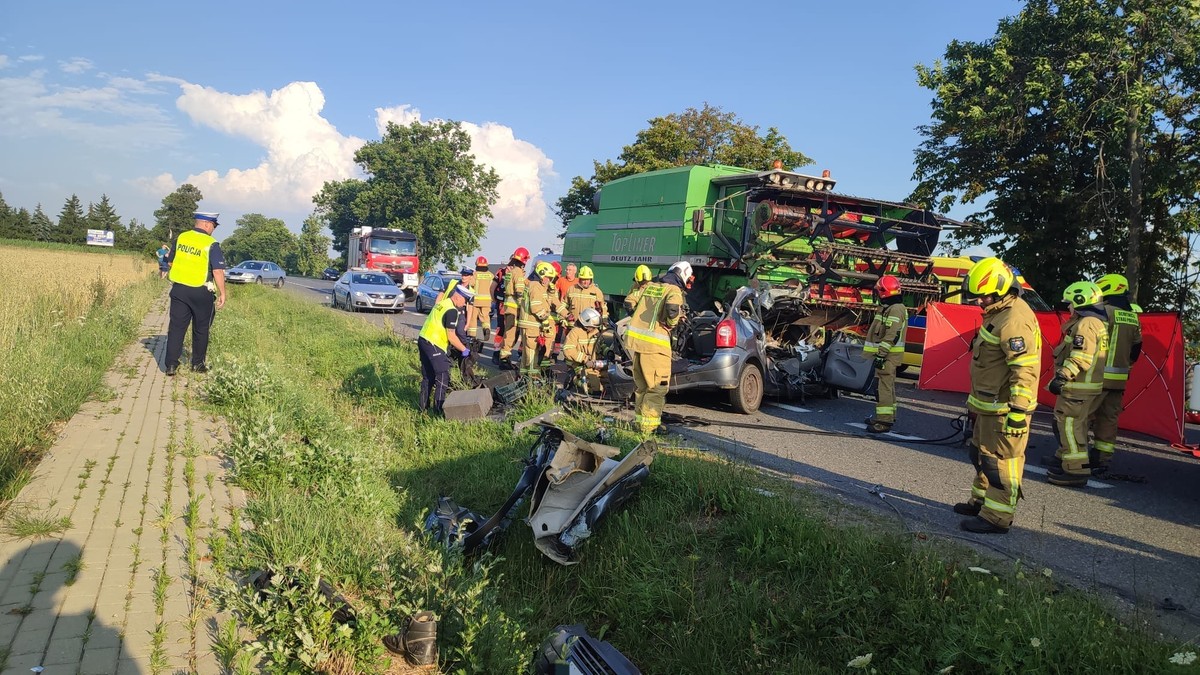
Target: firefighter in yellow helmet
1078,380
1124,348
579,352
586,294
536,320
513,291
885,342
641,276
1005,360
658,310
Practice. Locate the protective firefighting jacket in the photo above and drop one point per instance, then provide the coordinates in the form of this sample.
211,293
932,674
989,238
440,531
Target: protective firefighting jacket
1124,344
1005,359
580,346
515,284
658,311
482,285
1081,356
887,332
535,308
580,298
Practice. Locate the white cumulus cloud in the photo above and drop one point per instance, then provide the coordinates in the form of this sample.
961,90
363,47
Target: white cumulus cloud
303,150
76,65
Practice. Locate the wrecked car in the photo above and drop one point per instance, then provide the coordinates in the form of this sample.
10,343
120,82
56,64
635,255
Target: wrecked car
573,485
761,343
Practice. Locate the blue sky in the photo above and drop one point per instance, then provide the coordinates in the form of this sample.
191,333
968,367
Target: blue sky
258,102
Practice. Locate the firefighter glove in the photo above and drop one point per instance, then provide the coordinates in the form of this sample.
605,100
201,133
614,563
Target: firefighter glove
1056,385
880,362
1016,424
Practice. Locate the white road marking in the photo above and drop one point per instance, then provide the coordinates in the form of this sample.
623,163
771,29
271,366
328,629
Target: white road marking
903,437
793,408
1091,483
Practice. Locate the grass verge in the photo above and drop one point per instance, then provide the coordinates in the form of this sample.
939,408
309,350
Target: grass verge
59,334
713,568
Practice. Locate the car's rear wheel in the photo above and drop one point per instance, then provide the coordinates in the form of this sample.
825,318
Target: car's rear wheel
749,393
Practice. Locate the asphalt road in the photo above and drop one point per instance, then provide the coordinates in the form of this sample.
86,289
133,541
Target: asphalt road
1136,542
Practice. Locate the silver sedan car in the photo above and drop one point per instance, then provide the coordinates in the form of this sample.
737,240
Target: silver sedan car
256,272
360,290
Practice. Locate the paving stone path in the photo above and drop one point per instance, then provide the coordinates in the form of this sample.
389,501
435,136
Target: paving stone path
138,477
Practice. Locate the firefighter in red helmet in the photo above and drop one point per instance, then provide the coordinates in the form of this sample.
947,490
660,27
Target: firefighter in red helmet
885,342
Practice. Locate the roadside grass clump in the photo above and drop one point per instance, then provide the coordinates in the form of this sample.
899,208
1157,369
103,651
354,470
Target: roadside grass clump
714,567
59,334
27,521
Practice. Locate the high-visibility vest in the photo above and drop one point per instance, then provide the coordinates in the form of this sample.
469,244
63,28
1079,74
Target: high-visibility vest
1124,330
483,288
434,331
190,267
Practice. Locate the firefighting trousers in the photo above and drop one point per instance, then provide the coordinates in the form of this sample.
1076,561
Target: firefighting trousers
885,407
483,321
652,375
999,462
195,306
1104,422
509,330
1071,414
435,375
531,360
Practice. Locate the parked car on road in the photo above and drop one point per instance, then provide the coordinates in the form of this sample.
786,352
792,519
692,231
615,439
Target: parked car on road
433,284
359,290
256,272
330,274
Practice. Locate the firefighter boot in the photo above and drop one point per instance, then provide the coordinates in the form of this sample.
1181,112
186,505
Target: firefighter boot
967,508
1064,479
978,525
875,426
417,639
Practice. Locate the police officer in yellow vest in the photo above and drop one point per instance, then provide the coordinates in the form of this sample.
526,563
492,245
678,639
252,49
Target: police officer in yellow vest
579,351
195,261
648,341
885,341
1078,380
482,286
438,334
1124,348
1006,357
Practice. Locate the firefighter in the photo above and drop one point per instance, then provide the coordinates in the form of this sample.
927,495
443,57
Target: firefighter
438,334
641,276
536,320
579,351
584,294
1006,356
482,287
648,340
515,284
885,341
1078,380
1124,348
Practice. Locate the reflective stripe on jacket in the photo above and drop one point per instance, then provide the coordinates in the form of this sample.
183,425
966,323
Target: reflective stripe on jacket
1081,356
658,311
515,284
888,330
1005,359
482,286
1124,331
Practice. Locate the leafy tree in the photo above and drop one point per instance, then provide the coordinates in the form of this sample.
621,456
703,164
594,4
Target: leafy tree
72,226
1076,127
312,253
175,214
41,225
335,207
422,178
258,237
705,136
137,238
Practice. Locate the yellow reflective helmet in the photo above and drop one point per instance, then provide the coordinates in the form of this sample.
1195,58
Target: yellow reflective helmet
545,270
586,272
1113,284
989,276
642,273
1082,294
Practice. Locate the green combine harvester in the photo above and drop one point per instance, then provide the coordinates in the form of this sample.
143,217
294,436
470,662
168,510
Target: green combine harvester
764,229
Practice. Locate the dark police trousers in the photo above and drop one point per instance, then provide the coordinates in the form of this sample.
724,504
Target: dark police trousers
196,306
435,375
